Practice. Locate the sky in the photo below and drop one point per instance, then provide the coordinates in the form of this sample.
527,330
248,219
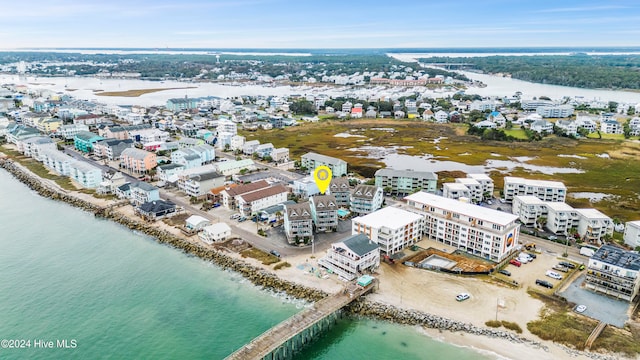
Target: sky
318,24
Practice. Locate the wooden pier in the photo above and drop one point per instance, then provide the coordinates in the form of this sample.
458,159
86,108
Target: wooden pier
288,337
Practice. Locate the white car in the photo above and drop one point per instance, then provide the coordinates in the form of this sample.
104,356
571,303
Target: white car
581,308
553,275
462,297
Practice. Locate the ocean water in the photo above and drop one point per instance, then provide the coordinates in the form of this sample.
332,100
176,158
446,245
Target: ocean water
76,287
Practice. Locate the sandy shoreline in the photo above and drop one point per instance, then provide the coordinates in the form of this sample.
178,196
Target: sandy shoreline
419,290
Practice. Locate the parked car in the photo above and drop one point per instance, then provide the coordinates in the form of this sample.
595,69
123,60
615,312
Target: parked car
567,264
234,216
515,262
216,205
561,268
505,272
544,283
532,255
274,253
462,297
581,308
489,202
242,218
553,275
552,237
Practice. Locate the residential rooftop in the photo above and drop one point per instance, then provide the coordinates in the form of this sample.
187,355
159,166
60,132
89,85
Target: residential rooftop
390,217
619,257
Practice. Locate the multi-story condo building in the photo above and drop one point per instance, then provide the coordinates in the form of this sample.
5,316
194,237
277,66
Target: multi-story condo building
475,229
366,199
391,228
476,190
611,127
351,257
456,191
486,182
84,140
230,195
632,233
137,160
312,160
85,174
57,161
555,111
249,147
529,209
339,187
298,223
180,104
324,210
561,218
69,131
543,189
198,185
233,167
614,272
593,225
406,181
252,202
111,149
34,146
142,192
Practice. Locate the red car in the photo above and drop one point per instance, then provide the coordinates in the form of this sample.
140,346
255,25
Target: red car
515,262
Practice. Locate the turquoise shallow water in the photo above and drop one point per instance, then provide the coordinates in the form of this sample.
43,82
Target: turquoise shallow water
65,275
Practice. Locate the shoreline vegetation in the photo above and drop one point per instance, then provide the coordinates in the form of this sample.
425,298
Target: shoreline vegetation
481,337
139,92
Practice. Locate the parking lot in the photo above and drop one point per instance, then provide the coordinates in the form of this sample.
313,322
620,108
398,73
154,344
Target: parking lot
599,307
527,274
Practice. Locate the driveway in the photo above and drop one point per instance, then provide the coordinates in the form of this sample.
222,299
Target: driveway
599,307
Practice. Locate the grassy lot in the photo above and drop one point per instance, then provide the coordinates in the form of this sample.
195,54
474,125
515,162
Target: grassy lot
265,258
517,133
609,166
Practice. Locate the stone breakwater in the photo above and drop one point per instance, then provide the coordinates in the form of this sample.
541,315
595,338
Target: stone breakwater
266,279
256,275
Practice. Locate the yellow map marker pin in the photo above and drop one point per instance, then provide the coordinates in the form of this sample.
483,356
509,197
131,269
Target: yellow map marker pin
322,177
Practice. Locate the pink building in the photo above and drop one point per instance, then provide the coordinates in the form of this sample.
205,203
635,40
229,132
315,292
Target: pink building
137,160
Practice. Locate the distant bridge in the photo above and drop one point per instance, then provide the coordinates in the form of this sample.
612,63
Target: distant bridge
283,340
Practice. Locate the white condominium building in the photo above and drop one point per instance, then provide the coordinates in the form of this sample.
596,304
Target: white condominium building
543,189
486,182
456,191
593,225
475,188
477,230
561,218
632,233
529,209
391,228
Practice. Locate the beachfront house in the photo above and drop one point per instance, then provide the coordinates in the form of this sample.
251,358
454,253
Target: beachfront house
351,257
156,209
137,160
215,233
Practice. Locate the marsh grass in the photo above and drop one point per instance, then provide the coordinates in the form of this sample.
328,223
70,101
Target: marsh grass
617,173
